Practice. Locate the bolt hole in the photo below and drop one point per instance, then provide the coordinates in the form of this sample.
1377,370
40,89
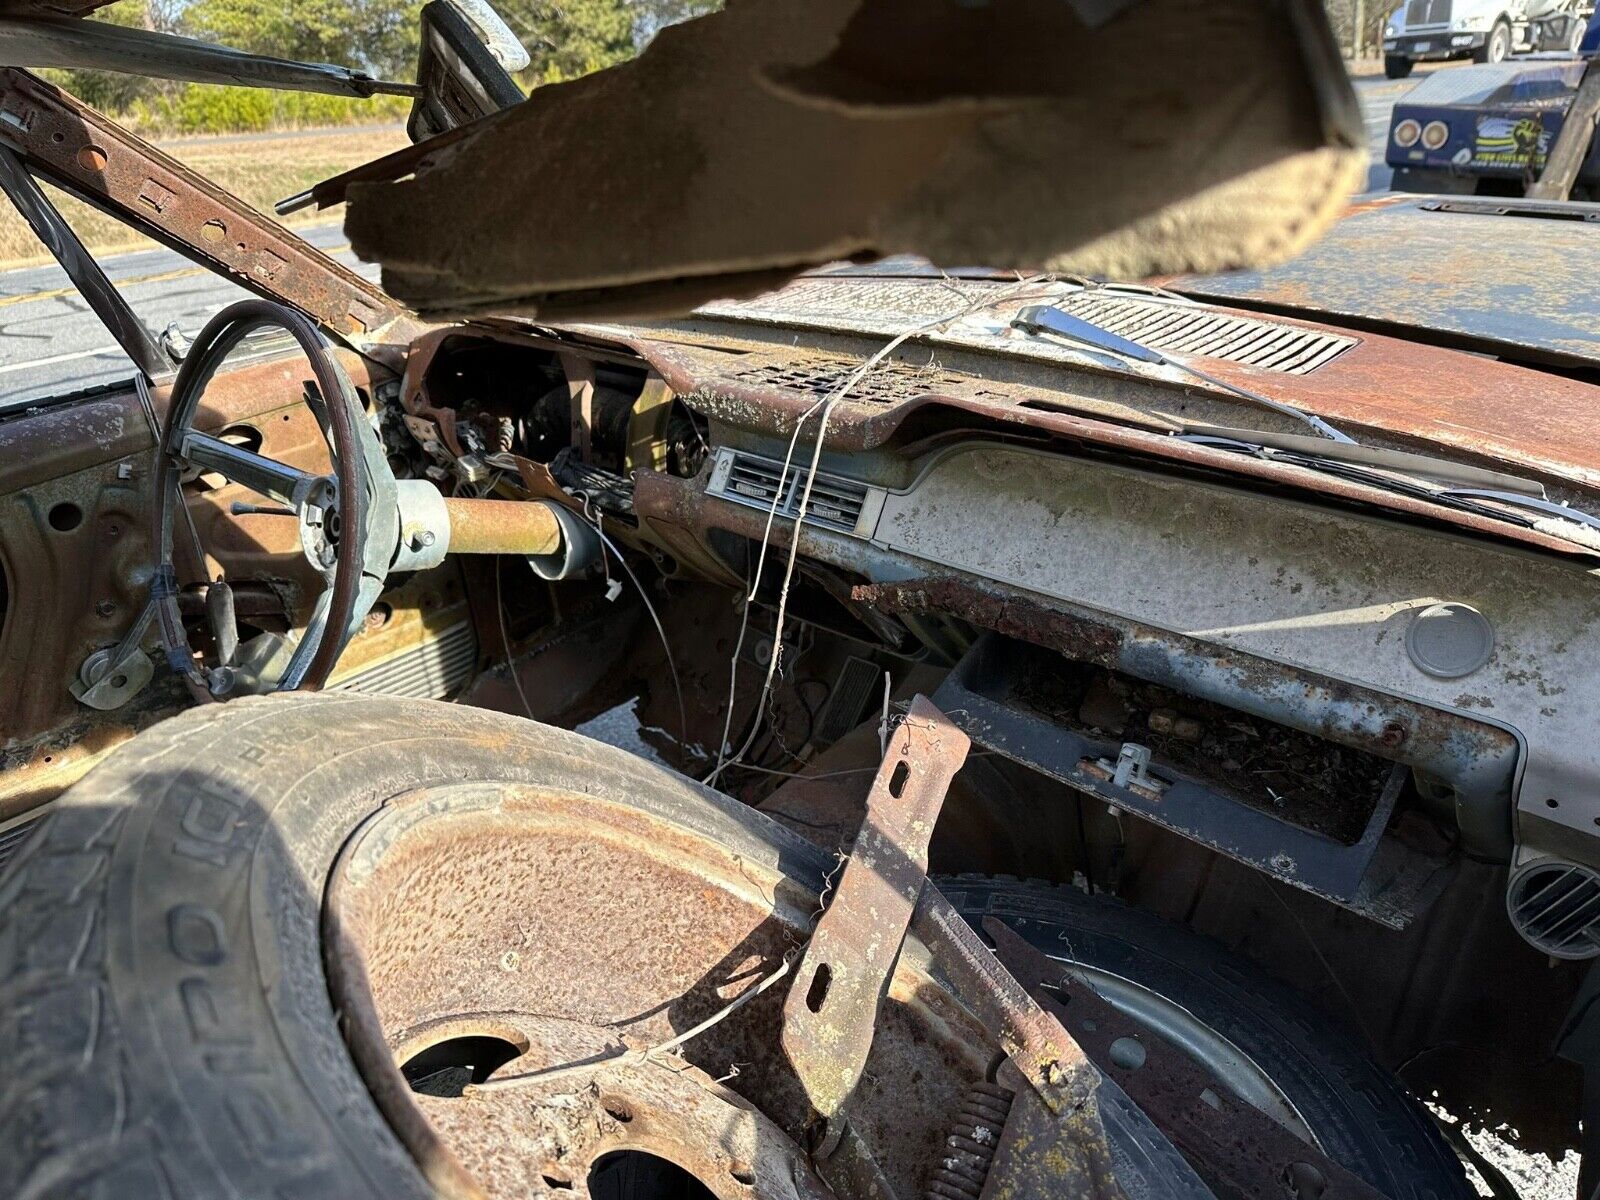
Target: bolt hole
897,781
246,437
635,1175
1128,1053
446,1068
65,517
817,993
48,758
1552,802
743,1174
616,1109
58,137
119,681
1304,1181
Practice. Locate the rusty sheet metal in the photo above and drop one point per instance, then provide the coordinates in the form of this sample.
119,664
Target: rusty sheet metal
546,866
1489,413
1051,1063
1492,390
1525,283
88,155
75,524
1478,755
1025,1162
673,494
1412,391
831,1012
1241,1152
1442,742
37,773
1384,386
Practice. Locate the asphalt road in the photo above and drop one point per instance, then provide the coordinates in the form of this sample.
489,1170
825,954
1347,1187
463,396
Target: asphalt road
51,343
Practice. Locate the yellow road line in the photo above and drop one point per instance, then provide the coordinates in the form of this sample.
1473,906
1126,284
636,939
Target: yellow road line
157,277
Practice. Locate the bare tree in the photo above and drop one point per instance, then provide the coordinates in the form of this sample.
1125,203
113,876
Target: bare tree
1358,24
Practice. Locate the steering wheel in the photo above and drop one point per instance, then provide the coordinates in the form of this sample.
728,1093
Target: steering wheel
348,520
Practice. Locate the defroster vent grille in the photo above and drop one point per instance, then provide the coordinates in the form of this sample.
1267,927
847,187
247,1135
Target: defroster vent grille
1190,329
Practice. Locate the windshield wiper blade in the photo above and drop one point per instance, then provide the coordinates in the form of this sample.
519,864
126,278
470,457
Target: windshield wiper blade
1538,504
1478,501
1042,318
1402,462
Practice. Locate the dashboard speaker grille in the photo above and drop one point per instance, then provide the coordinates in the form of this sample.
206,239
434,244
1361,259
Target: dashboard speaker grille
1555,905
886,383
1188,329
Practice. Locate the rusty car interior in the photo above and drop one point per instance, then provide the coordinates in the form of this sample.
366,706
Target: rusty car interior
1251,684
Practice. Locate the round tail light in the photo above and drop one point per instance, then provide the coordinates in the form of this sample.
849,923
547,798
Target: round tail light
1435,135
1406,133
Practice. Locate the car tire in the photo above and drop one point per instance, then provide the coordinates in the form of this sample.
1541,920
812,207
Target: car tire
168,1039
1396,66
1359,1113
1496,47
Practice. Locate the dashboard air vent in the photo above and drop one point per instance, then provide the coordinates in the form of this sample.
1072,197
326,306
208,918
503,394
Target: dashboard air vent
1555,905
836,502
1183,329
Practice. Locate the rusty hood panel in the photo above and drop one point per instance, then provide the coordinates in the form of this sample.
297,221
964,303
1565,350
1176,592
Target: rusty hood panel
1512,277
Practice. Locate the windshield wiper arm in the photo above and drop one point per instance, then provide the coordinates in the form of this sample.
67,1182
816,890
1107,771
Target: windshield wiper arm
1042,318
1478,501
1420,466
1549,508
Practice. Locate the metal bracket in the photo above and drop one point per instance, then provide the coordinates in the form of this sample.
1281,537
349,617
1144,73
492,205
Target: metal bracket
98,679
832,1006
580,387
981,689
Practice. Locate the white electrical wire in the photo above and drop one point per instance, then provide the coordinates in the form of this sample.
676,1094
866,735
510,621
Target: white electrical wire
618,1058
672,666
824,407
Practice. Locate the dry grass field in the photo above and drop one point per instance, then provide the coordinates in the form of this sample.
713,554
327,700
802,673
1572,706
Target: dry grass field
259,169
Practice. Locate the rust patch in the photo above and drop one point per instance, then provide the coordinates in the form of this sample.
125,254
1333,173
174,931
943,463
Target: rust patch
1074,637
832,1007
